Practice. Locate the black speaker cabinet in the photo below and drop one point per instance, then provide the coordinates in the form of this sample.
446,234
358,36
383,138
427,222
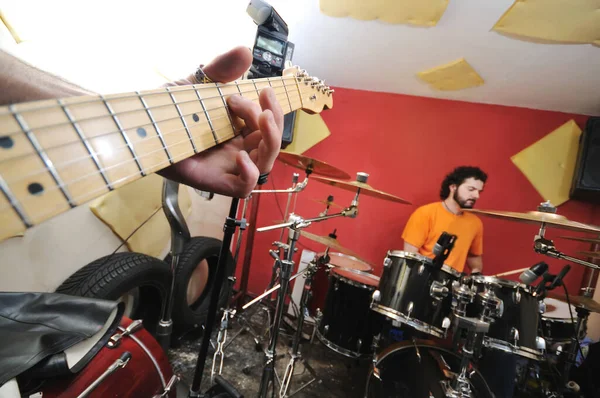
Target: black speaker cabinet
586,179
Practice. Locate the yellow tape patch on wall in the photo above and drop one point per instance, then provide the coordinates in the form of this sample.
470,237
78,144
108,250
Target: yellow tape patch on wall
549,163
456,75
552,21
127,207
414,12
309,130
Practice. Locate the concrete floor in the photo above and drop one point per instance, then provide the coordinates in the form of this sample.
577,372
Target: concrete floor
338,375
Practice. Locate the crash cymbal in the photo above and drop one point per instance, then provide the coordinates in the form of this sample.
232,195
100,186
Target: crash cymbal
325,202
365,189
312,165
538,217
578,301
590,240
590,254
328,241
341,260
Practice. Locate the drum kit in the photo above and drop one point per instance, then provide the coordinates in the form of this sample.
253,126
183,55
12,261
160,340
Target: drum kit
458,318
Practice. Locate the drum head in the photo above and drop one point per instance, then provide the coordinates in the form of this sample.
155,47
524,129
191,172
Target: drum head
557,309
345,261
357,276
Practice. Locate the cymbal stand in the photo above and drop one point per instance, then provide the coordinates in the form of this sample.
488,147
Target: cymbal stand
294,226
295,352
545,246
582,317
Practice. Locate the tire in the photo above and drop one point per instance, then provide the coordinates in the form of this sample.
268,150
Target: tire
190,303
124,276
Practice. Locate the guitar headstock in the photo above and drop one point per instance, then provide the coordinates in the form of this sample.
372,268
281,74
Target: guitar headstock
315,95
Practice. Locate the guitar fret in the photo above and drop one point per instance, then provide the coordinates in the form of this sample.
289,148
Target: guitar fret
43,156
87,145
124,135
226,108
14,203
238,87
287,95
212,129
256,88
187,130
160,135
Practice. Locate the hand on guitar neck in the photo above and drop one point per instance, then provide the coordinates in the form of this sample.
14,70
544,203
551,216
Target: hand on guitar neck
233,167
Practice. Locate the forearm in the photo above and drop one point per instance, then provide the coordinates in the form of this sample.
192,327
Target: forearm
20,82
475,263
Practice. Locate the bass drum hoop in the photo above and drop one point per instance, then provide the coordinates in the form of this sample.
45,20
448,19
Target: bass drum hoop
502,345
412,322
374,371
340,350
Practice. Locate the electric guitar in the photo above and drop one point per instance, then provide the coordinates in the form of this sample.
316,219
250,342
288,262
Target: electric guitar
58,154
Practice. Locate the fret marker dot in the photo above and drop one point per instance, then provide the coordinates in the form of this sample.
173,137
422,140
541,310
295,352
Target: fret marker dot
141,132
6,142
35,188
195,117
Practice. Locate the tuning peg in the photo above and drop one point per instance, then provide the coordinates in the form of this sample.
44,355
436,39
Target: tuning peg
330,91
315,82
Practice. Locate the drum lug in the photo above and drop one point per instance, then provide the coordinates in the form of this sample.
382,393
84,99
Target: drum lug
120,363
514,332
325,329
517,296
540,343
409,309
421,269
336,286
446,323
542,306
387,262
376,297
438,290
358,345
133,327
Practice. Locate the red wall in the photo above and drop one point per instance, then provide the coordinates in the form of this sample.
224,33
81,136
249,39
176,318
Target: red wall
407,144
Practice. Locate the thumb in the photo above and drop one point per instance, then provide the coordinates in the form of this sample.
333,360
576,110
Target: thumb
230,65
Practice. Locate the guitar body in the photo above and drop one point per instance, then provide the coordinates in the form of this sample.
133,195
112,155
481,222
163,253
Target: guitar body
145,375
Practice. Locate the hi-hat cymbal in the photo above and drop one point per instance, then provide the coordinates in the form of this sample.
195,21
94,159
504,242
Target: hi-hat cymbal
328,241
326,202
365,189
538,217
590,254
590,240
578,301
312,165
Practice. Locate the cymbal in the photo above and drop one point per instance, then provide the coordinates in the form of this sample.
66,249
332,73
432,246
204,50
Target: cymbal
365,189
578,301
325,202
590,254
313,165
538,217
590,240
328,241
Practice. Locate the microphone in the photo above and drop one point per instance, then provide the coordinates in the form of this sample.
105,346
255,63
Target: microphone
529,276
559,278
442,248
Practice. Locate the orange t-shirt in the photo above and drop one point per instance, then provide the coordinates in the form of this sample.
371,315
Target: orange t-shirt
428,222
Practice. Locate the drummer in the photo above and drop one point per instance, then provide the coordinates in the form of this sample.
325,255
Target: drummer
460,190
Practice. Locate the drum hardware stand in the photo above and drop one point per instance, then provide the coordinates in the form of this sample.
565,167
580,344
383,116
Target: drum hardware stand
295,352
180,235
460,386
580,331
221,386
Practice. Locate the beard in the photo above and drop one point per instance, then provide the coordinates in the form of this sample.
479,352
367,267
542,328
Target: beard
464,203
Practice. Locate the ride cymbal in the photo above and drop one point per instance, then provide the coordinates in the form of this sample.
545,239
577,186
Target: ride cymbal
311,165
578,301
328,241
590,240
538,217
365,189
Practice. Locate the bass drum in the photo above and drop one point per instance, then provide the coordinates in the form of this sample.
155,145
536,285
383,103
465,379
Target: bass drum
416,370
146,371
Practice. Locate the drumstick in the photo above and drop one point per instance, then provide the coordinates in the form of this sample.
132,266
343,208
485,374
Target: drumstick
273,289
516,271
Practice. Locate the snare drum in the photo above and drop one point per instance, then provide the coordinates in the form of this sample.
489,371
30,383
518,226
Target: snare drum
556,325
514,328
347,325
413,293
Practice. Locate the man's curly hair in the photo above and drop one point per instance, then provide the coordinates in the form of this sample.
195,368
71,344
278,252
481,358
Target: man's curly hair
458,176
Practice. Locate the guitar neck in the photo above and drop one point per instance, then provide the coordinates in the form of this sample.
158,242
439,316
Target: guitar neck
58,154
